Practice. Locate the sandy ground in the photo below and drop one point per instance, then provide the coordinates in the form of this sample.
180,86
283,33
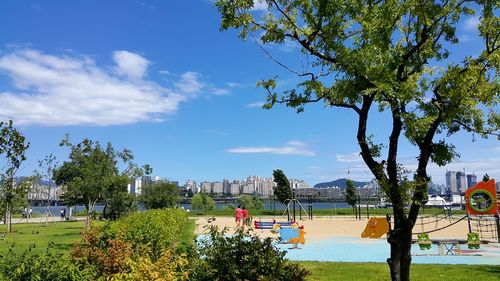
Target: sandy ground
325,227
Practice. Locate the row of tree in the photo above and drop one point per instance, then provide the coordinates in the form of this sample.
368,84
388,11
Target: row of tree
92,174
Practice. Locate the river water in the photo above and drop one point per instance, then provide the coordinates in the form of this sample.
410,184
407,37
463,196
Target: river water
55,210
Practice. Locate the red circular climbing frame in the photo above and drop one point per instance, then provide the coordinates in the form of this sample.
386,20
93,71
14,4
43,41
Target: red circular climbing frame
482,199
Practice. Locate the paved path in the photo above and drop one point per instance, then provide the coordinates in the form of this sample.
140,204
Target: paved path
41,219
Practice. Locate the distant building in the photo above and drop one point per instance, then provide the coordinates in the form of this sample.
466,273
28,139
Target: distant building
498,186
234,188
461,182
191,185
295,184
217,188
247,188
451,182
206,187
226,186
471,180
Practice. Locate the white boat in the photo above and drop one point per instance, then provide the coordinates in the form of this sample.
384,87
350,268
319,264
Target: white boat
437,201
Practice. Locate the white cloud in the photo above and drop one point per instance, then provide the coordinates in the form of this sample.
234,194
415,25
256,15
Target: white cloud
221,92
471,23
259,5
62,90
258,104
234,84
353,157
290,148
130,64
189,82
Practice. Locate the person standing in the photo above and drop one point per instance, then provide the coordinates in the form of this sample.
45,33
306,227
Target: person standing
245,217
238,215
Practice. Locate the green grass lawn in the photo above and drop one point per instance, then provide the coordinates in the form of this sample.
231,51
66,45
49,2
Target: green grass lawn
61,234
332,271
188,232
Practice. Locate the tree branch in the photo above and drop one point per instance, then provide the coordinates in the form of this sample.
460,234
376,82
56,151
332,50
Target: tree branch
375,167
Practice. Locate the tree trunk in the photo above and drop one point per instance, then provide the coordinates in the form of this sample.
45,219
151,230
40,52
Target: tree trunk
90,209
400,241
8,218
47,211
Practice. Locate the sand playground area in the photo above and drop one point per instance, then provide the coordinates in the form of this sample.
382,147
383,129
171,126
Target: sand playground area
341,226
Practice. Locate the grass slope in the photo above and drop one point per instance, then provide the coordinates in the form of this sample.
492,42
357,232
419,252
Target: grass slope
331,271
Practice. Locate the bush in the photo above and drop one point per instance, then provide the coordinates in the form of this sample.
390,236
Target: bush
158,229
36,265
243,257
110,249
169,266
99,256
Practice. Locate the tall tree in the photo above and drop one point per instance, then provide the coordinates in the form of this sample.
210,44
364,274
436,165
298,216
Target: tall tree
350,194
45,176
160,195
91,175
282,190
393,56
13,146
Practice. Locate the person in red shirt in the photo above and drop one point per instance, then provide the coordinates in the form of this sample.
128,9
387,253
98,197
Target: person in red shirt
245,217
238,215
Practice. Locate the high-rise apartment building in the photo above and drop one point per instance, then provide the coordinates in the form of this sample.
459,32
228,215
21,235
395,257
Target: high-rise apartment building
191,185
226,186
234,188
451,182
206,187
461,182
217,187
471,180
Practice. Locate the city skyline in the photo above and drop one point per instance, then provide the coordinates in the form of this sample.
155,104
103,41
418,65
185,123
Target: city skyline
182,96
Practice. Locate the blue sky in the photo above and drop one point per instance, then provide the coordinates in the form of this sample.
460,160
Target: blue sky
159,78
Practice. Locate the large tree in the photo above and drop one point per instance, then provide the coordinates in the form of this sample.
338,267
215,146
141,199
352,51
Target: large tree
397,57
13,146
91,175
282,190
161,194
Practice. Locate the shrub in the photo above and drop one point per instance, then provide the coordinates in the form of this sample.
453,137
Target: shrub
158,229
100,256
168,267
110,249
36,265
243,257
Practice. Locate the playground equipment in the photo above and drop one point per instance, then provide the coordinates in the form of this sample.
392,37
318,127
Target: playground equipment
258,224
482,210
292,236
375,228
482,217
424,241
482,199
291,209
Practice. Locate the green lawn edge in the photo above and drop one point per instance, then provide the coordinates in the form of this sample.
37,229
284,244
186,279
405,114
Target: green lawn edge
331,271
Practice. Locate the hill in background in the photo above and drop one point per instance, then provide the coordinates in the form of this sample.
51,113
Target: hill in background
341,183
